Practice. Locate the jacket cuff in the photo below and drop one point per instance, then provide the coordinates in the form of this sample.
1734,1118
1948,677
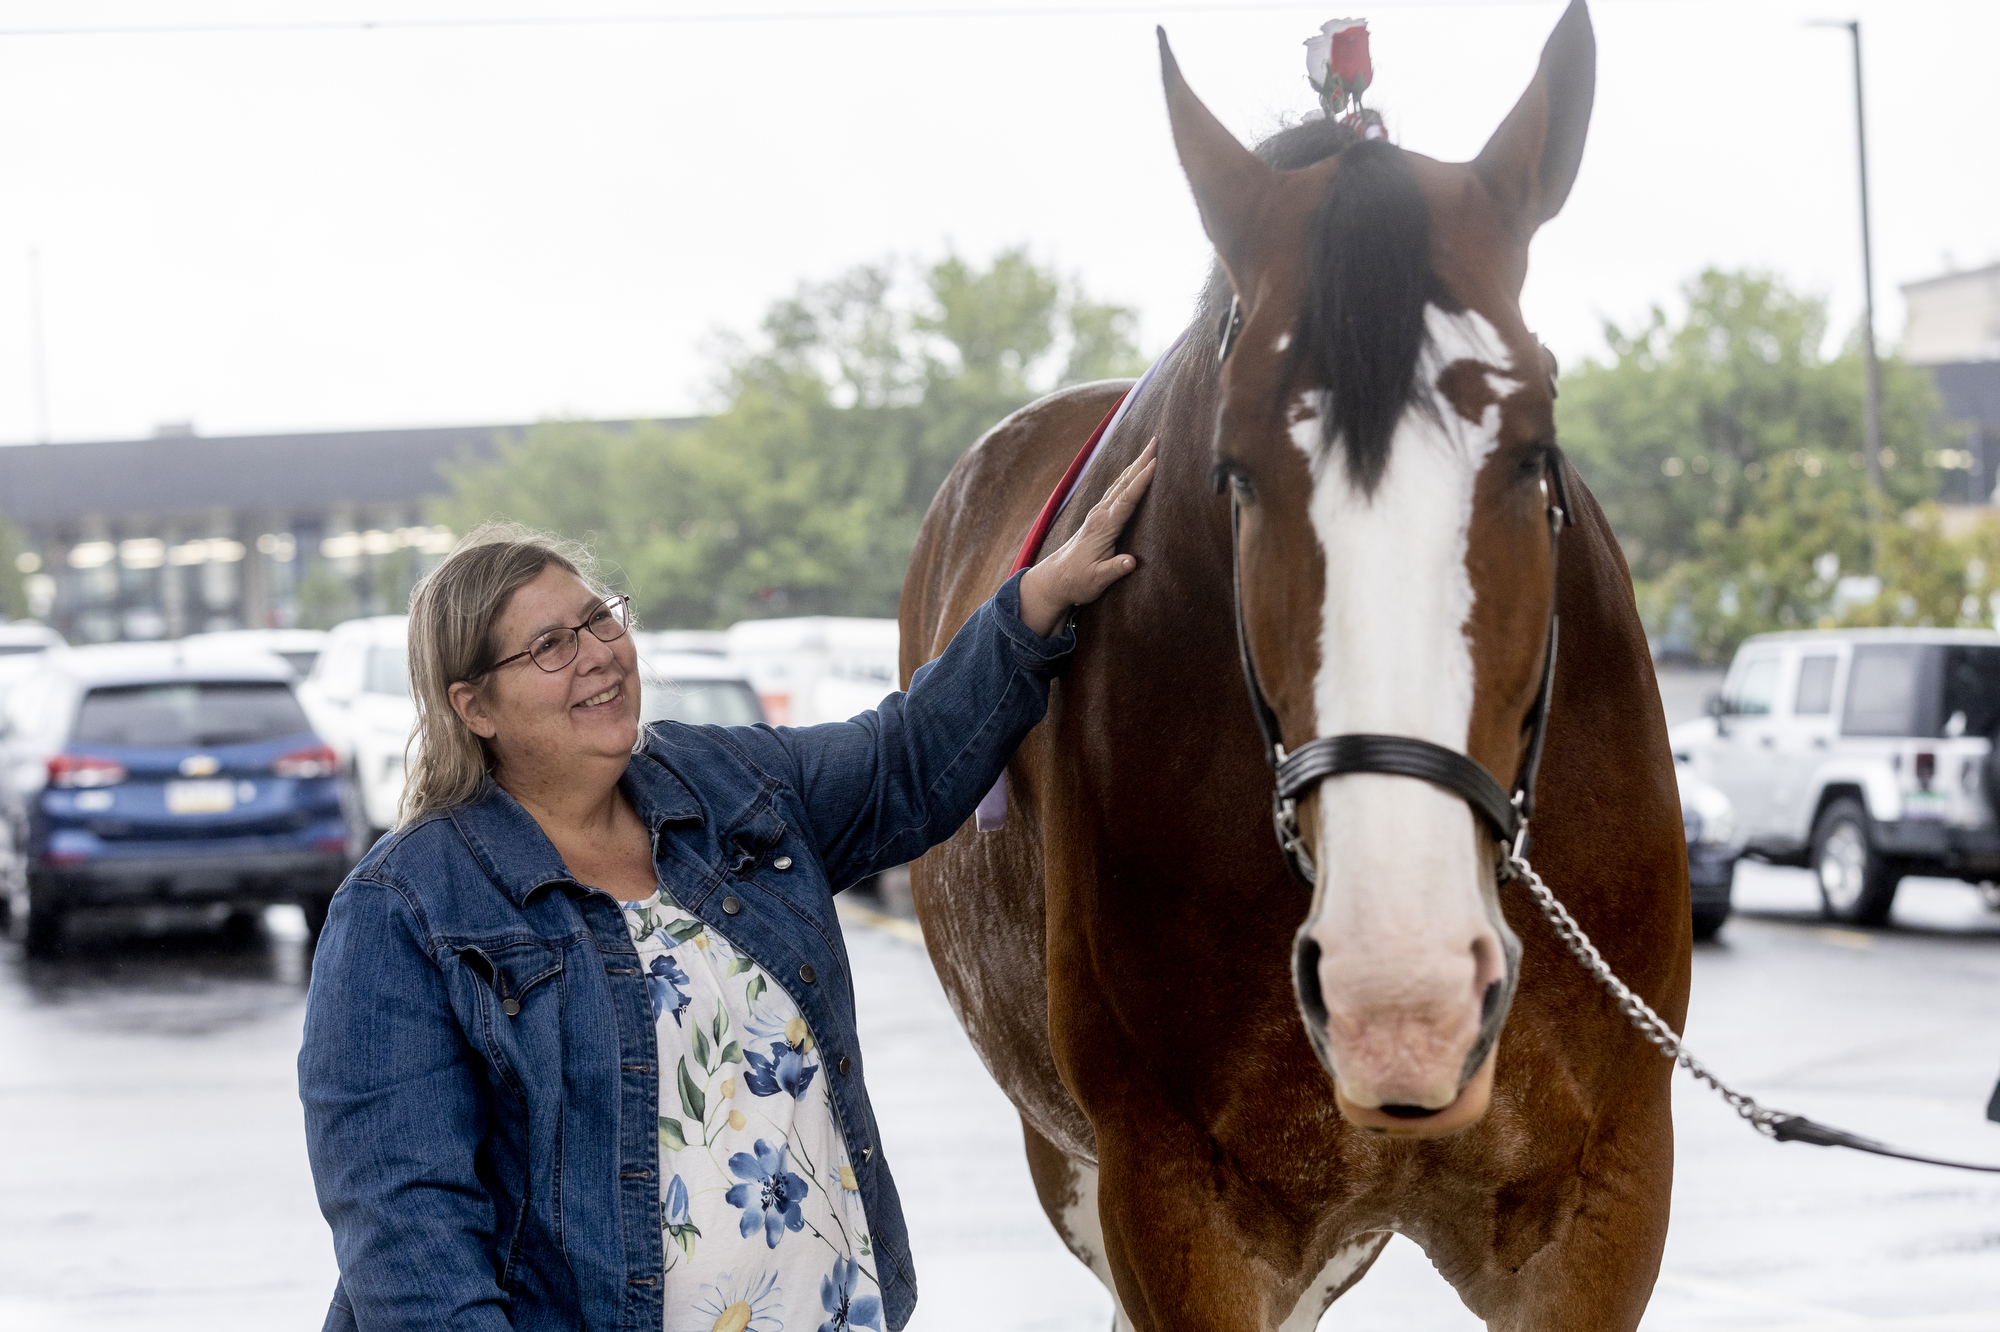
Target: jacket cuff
1042,657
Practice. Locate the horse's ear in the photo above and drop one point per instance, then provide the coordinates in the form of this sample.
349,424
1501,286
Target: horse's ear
1530,162
1229,181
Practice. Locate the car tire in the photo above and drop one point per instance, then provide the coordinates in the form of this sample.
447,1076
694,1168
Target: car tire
315,905
1707,924
47,934
1857,883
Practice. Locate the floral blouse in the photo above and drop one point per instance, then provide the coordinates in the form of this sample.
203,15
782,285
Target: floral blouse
762,1223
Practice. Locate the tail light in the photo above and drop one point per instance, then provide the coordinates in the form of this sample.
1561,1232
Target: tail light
79,770
316,761
1926,769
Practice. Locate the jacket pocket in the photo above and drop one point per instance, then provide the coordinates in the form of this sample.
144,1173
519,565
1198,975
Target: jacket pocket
518,1010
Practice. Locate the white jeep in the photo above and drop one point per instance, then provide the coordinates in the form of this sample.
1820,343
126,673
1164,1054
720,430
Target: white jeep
1865,754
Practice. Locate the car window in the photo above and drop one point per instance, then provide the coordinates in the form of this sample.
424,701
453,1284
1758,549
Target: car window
387,672
1756,688
700,702
1972,686
1815,693
189,715
1882,688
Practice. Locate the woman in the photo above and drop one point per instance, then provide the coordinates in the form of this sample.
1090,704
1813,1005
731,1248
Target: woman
580,1044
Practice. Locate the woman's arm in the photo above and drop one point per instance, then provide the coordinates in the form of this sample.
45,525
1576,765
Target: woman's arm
395,1108
887,786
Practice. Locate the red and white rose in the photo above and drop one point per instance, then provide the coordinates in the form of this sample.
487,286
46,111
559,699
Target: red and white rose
1337,63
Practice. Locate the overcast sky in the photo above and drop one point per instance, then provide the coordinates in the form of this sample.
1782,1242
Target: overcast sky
283,231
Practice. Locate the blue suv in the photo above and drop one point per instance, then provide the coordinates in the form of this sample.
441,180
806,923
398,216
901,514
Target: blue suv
169,774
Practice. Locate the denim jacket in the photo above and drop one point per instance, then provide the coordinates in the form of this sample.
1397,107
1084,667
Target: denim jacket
479,1070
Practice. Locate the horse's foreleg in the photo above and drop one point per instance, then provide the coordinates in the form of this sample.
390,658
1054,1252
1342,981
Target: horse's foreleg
1579,1250
1192,1249
1068,1190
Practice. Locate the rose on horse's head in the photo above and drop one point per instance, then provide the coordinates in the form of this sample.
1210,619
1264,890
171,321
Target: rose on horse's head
1386,435
1337,63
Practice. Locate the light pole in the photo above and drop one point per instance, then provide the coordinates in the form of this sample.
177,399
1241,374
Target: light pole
1872,397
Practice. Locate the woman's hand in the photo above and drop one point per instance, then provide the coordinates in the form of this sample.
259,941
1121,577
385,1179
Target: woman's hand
1088,562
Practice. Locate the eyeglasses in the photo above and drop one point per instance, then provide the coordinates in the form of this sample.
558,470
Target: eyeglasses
557,648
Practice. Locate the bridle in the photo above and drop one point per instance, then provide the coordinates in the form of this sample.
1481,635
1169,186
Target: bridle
1300,772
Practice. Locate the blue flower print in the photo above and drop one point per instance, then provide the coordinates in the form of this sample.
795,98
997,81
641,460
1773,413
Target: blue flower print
666,976
784,1069
836,1296
771,1195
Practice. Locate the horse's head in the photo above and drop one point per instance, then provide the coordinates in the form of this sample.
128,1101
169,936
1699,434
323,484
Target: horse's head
1387,428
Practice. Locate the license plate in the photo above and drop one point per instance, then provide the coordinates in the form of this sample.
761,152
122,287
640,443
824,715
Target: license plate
201,797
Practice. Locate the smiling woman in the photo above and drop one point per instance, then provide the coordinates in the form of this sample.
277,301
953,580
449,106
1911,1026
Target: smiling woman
580,1047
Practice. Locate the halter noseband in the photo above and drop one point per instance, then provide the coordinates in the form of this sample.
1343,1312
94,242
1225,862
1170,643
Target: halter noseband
1300,772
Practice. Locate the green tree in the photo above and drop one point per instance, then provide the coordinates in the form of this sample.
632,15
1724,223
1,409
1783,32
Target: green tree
803,493
1726,451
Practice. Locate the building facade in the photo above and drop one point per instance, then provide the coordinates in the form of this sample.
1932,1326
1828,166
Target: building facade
156,538
1954,330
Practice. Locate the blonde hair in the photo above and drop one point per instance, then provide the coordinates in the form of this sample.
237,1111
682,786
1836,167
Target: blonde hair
452,614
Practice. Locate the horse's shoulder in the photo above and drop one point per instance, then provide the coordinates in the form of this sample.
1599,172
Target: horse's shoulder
1048,431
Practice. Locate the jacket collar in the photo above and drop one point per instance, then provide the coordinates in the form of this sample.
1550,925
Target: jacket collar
516,854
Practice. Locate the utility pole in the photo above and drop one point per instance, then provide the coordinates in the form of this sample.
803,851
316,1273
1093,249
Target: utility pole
36,350
1872,401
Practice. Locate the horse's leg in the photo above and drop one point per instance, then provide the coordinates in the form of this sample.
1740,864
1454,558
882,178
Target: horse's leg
1193,1249
1068,1190
1576,1246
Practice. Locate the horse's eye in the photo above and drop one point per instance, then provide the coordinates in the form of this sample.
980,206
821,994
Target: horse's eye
1534,464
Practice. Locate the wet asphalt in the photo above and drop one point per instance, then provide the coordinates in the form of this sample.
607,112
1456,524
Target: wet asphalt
152,1170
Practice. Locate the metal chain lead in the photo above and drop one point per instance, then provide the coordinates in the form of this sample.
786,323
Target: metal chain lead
1636,1010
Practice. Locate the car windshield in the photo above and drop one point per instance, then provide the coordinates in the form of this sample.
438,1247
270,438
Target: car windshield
189,715
387,672
700,702
1972,687
302,662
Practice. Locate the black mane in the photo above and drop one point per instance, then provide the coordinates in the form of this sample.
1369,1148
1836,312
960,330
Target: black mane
1369,277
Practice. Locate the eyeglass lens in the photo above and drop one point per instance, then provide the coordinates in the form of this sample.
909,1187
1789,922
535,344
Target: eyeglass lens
557,648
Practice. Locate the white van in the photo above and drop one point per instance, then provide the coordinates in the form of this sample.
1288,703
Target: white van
1866,754
816,668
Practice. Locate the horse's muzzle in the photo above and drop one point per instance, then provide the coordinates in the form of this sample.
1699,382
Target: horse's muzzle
1475,1085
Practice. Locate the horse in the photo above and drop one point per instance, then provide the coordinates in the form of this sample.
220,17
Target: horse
1234,1086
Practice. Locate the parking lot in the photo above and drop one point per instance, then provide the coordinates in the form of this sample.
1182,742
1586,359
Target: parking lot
154,1174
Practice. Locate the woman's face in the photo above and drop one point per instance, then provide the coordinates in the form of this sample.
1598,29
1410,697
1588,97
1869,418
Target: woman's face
538,718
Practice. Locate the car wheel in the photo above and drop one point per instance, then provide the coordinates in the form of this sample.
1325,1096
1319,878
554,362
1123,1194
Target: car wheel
1857,883
1707,924
48,922
314,906
354,812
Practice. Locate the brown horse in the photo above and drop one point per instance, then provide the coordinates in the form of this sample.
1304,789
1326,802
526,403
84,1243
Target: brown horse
1225,1147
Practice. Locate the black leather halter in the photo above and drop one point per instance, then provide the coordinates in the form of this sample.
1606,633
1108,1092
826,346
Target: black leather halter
1298,773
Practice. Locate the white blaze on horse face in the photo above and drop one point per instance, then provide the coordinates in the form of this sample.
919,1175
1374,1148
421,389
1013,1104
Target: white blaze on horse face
1406,942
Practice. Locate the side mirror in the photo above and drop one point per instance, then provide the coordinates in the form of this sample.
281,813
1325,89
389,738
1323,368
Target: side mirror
1717,707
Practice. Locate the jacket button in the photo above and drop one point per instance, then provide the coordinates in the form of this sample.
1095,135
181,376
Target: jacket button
730,906
843,1066
782,863
867,1154
807,974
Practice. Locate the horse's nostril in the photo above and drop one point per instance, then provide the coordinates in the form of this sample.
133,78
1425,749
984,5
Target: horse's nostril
1407,1112
1490,1004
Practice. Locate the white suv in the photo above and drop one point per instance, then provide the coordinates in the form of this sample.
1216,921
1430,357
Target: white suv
1864,754
358,697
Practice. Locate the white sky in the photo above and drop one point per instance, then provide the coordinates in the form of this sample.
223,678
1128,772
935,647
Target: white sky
283,231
